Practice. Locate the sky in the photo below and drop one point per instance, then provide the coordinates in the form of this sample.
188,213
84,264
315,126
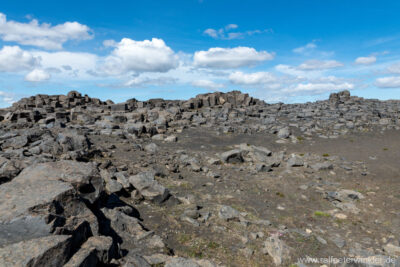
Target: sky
278,51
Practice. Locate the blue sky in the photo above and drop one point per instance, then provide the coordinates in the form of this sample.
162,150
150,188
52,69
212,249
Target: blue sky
289,51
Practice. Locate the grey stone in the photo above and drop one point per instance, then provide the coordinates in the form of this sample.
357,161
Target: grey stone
84,177
72,140
322,166
232,156
228,213
151,148
284,133
278,250
338,241
148,187
295,161
392,250
95,251
45,251
135,260
181,262
8,169
16,142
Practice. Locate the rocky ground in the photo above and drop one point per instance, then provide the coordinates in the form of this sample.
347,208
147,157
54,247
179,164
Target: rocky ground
217,180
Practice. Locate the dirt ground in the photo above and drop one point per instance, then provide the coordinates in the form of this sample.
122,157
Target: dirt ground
288,201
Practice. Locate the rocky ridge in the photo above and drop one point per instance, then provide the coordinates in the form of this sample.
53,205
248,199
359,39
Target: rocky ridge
78,175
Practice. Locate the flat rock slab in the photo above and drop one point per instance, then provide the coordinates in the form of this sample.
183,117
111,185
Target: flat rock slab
19,197
84,177
46,251
17,221
23,229
28,201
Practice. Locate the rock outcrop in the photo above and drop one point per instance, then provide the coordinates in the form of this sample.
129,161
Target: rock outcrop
86,182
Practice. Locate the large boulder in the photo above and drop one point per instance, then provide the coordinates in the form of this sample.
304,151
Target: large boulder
16,142
20,218
46,199
8,169
84,177
45,251
72,141
95,251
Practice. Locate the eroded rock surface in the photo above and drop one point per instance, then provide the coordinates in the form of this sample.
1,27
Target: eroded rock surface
221,179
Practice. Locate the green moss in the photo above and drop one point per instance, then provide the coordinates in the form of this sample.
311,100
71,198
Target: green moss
321,214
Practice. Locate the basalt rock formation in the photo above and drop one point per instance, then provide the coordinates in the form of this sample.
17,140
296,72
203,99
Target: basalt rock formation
214,180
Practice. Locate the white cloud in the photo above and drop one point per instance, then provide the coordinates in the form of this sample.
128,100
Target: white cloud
304,49
211,32
110,43
42,35
315,64
388,82
395,68
14,59
316,88
140,56
37,75
207,84
289,70
299,75
227,34
6,99
69,63
365,60
231,27
141,81
230,57
255,78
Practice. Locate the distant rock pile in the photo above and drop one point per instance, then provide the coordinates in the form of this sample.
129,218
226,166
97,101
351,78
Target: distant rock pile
230,112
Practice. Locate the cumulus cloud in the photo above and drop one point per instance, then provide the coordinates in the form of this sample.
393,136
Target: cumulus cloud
388,82
230,57
140,56
37,75
74,64
315,64
255,78
210,85
42,35
227,34
14,59
365,60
